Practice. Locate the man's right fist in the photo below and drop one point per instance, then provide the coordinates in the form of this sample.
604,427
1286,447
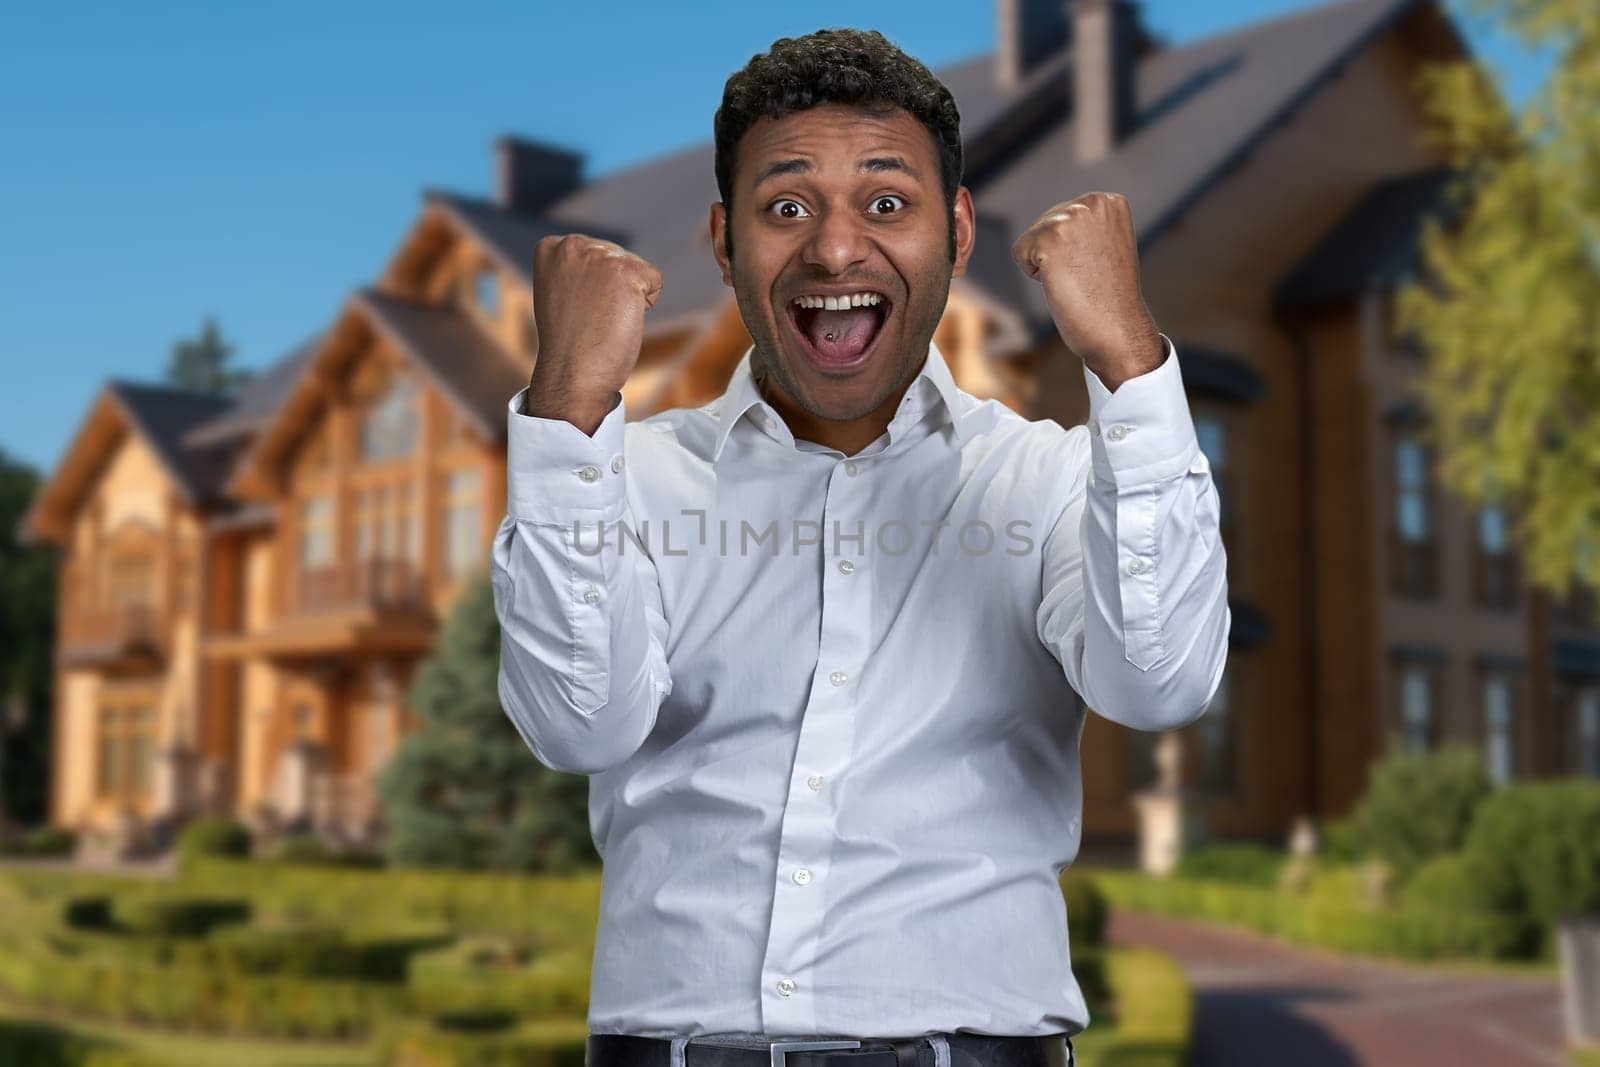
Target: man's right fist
589,300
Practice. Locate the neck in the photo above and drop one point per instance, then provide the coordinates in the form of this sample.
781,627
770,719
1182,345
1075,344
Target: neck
845,435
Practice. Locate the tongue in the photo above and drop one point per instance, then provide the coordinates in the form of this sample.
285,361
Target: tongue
852,331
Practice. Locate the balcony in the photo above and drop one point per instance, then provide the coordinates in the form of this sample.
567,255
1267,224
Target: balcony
130,637
375,605
374,584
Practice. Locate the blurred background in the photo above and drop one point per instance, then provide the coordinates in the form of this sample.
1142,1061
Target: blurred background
265,290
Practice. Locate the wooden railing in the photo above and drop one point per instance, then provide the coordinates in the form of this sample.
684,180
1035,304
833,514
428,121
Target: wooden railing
382,584
129,627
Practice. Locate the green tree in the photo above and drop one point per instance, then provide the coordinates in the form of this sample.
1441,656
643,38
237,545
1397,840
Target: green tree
1506,303
202,362
27,630
463,790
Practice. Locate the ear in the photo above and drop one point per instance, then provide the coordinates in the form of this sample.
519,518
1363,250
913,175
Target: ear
719,223
966,230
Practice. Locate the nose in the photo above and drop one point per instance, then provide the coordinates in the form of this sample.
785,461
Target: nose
838,242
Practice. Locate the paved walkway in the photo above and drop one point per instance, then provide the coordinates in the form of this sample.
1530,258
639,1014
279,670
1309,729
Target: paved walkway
1261,1002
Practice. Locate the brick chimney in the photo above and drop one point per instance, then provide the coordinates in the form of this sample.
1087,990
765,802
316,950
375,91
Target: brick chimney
530,176
1104,36
1026,33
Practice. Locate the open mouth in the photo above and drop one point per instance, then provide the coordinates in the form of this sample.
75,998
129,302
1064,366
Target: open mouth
839,338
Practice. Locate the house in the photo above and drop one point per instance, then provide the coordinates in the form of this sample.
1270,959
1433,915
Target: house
248,583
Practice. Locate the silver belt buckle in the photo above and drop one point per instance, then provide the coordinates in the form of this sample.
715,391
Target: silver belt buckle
782,1048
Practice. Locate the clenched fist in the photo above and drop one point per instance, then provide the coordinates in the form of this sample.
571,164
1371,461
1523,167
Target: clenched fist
1086,256
589,300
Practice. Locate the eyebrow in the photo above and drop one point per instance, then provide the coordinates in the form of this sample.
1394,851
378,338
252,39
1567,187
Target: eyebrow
871,165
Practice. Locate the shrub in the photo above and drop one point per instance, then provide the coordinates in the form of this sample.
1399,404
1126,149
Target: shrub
1087,909
1418,805
161,916
1338,843
1240,864
1549,835
41,841
213,835
1463,881
87,912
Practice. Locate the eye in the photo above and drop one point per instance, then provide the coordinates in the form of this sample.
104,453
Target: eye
888,196
775,203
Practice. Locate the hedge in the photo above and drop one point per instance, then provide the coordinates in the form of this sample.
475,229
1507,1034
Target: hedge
1407,932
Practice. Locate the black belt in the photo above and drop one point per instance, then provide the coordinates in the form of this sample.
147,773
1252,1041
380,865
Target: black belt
966,1050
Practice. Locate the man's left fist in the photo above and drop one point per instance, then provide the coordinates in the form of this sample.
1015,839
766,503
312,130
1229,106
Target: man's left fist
1085,254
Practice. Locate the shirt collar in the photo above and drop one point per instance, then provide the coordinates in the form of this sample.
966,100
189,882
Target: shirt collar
934,381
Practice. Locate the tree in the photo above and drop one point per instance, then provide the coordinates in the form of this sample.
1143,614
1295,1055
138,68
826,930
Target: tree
1506,303
27,632
202,362
463,790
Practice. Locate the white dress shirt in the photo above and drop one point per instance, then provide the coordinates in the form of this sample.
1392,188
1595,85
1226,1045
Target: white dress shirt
829,720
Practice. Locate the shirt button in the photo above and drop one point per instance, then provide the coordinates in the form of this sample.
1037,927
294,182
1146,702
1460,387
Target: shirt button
1117,432
846,567
1137,566
591,595
589,473
801,876
850,467
838,677
815,781
1094,427
786,986
616,464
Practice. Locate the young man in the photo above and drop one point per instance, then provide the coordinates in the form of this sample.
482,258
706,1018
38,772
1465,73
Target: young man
815,642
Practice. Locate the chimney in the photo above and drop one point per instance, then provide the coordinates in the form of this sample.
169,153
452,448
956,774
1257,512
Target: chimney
1026,33
530,176
1103,54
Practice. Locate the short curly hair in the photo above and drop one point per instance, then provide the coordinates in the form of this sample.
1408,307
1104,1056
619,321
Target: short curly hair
858,68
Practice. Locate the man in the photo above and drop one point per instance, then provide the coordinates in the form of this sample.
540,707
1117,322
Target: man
815,642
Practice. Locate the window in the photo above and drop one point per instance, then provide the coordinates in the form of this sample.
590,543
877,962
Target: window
1494,577
316,533
389,429
1214,733
1411,491
1492,529
1416,707
1497,715
125,750
1589,731
486,291
462,551
1412,548
131,581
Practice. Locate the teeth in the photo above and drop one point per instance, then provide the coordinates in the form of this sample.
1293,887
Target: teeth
836,303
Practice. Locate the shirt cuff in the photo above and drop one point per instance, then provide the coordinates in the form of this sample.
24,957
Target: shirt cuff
556,472
1143,431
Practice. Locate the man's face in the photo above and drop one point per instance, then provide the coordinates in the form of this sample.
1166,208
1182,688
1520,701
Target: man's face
833,200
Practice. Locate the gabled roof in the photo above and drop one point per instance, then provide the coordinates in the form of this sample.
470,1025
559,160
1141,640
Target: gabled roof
462,359
447,346
159,415
1375,245
256,400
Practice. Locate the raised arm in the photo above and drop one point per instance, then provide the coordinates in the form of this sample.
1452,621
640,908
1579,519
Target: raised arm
1135,596
583,665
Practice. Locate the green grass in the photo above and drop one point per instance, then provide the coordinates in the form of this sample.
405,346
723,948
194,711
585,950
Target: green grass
1153,1014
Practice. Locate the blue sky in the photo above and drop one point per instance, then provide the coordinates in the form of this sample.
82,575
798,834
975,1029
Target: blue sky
255,162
